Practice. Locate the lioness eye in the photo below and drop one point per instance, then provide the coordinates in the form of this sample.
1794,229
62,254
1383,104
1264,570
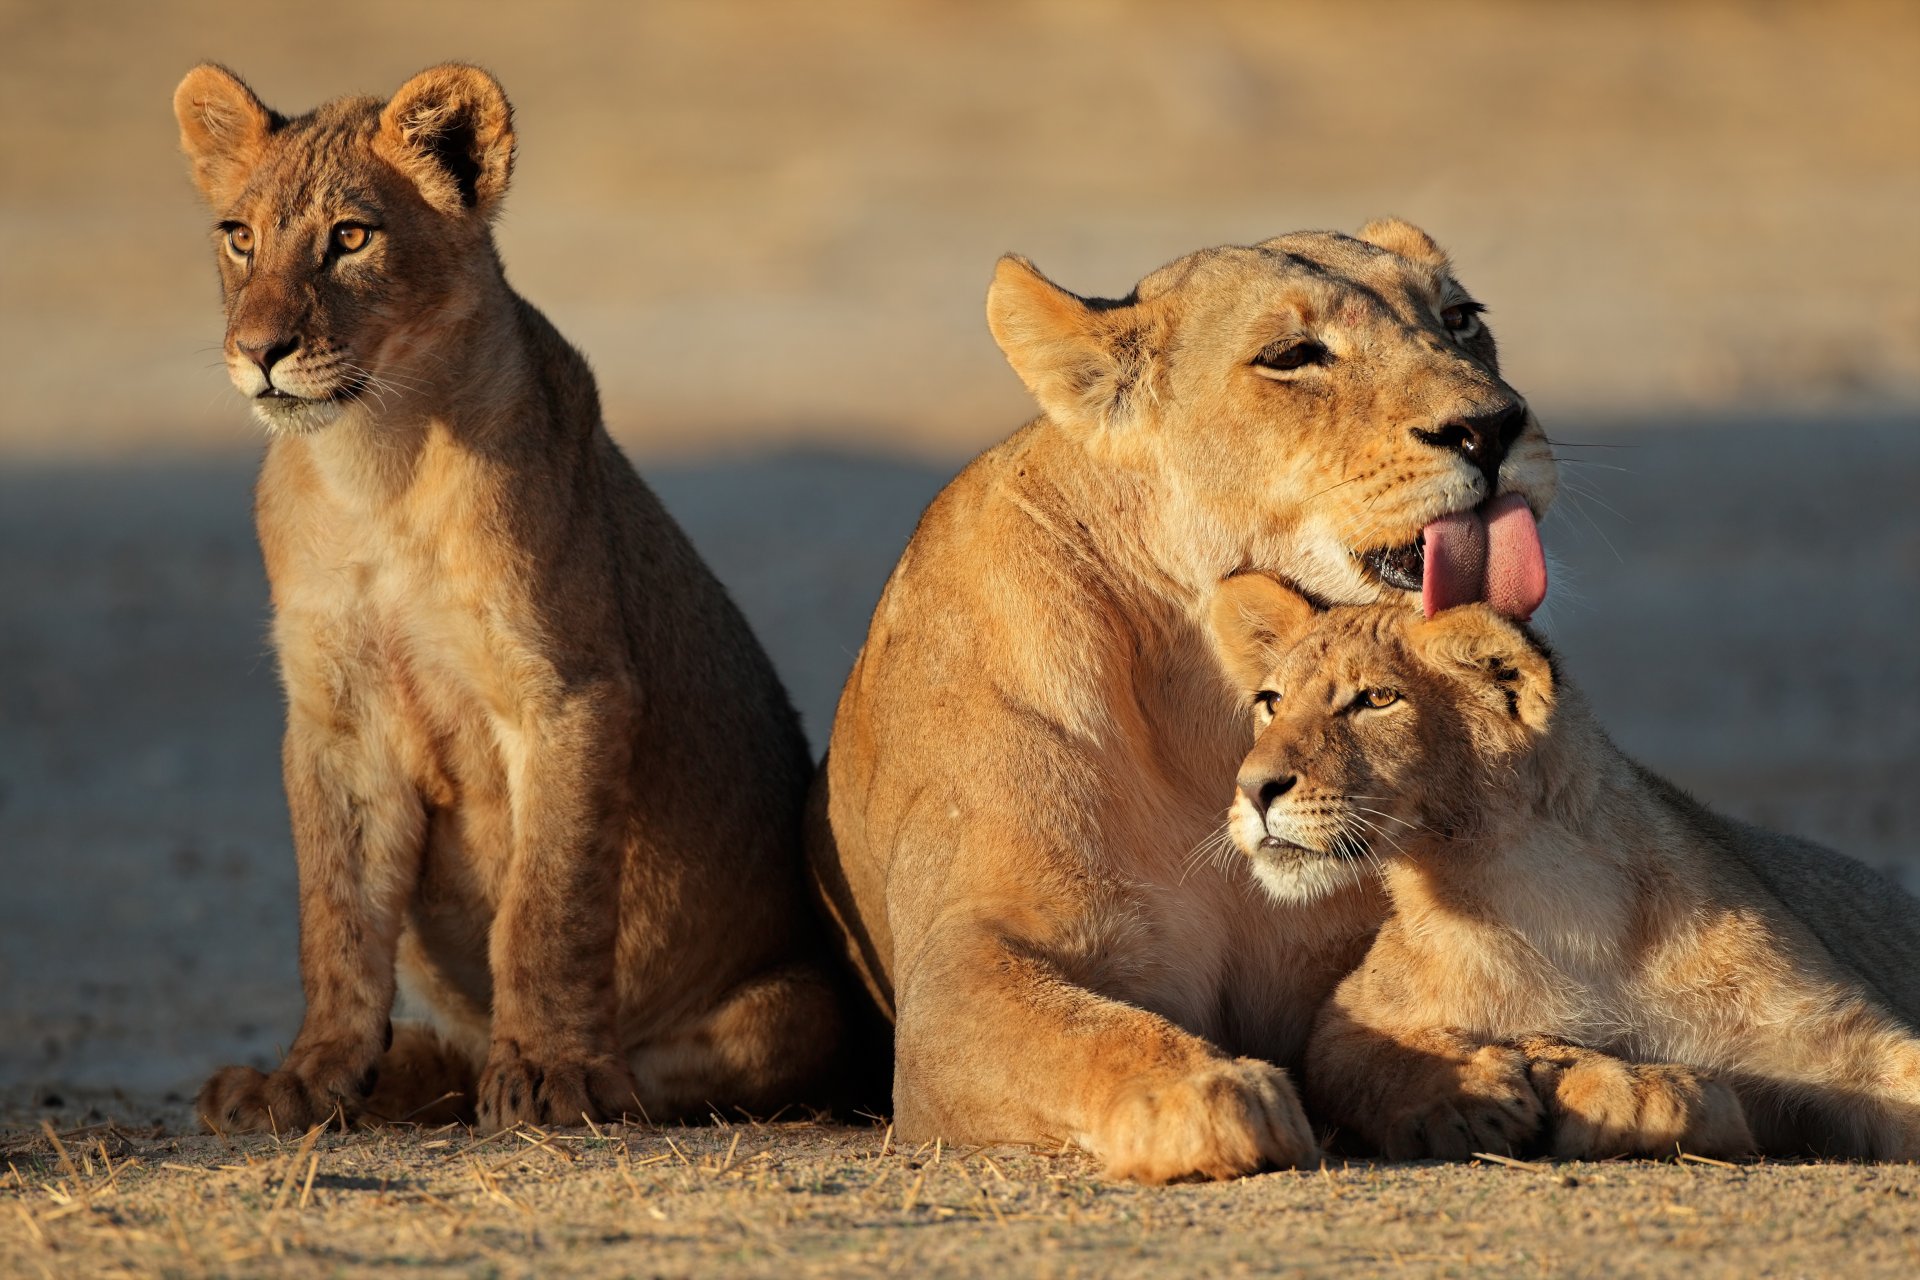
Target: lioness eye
1461,316
1263,701
351,237
1283,357
1377,698
240,239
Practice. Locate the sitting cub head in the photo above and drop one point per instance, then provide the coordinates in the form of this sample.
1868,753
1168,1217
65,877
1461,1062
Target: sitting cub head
1327,407
351,240
1377,729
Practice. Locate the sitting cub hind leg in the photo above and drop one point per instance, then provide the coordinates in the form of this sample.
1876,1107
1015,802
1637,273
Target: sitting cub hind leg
422,1079
769,1041
1600,1106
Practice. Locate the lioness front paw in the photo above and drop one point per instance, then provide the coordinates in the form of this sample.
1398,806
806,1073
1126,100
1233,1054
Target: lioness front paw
1223,1121
317,1087
1600,1106
515,1088
1486,1103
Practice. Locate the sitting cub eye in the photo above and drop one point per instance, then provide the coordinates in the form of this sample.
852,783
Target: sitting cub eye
240,239
1461,317
1376,698
351,237
1290,354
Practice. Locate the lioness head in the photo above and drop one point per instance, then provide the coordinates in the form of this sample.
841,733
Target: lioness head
1337,398
350,238
1376,728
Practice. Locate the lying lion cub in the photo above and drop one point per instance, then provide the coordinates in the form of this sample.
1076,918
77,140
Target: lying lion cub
542,778
1565,926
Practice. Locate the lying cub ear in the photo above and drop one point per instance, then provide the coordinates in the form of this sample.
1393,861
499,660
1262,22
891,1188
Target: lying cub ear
1494,657
1254,620
1086,362
1405,239
450,129
223,128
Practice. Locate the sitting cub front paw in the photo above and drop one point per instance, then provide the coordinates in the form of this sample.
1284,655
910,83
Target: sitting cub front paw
516,1088
314,1087
1483,1103
1225,1120
1600,1106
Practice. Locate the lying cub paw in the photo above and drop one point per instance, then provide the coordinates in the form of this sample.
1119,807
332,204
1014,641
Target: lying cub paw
1485,1103
1600,1106
567,1090
1225,1120
314,1088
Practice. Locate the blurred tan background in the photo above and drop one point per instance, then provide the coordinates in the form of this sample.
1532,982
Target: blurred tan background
775,221
770,226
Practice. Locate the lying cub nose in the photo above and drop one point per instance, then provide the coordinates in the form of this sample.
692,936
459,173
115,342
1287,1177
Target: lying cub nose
1264,791
1482,438
267,352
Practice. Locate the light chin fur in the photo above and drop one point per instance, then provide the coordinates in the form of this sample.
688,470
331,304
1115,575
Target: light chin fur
1303,880
297,418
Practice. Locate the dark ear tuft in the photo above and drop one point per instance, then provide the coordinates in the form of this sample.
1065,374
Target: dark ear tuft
450,129
223,126
1494,656
1254,619
1088,362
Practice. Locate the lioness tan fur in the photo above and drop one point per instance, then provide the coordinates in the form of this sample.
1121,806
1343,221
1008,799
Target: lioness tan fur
542,778
1573,943
1032,742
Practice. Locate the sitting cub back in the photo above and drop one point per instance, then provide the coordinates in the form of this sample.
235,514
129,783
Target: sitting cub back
543,780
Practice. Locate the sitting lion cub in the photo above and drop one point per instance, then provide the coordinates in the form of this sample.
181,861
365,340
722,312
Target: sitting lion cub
1565,926
542,778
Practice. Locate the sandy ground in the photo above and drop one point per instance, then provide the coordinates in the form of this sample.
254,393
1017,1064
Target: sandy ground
788,1199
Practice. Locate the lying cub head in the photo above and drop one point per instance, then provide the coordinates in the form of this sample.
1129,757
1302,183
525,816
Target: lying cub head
1376,728
1328,407
351,240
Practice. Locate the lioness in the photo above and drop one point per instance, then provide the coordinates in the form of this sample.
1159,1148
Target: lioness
1031,751
539,770
1552,898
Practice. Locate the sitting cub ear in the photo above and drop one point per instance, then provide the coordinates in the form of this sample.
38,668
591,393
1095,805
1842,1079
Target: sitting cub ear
450,129
1086,363
1494,657
223,127
1254,620
1405,239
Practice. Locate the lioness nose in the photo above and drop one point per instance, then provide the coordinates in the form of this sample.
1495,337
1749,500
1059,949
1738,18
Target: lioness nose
267,352
1264,791
1482,438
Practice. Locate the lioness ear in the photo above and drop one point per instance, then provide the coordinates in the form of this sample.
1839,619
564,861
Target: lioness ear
1254,620
1405,239
223,127
1084,362
1494,656
450,129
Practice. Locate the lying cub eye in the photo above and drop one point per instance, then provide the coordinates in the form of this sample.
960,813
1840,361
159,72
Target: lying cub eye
1461,316
1290,354
1376,698
240,239
351,237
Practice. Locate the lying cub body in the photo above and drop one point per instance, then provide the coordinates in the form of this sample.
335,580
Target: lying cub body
1579,956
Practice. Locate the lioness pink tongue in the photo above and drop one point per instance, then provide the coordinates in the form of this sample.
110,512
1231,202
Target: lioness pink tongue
1490,554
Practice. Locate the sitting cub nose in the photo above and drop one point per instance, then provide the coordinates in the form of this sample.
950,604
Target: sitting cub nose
1482,438
267,352
1263,791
